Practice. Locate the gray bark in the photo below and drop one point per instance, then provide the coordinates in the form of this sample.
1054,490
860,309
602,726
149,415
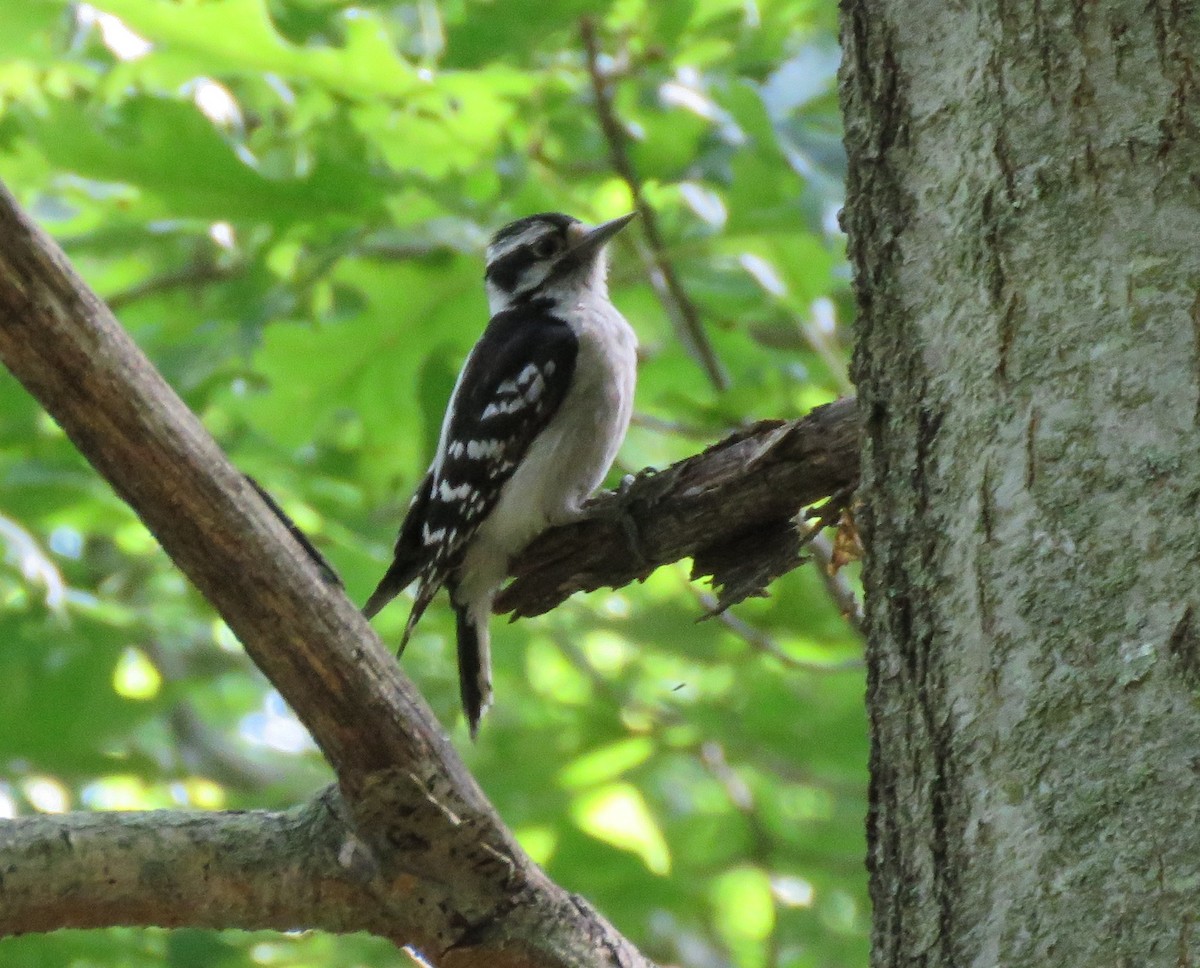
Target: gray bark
252,869
1024,222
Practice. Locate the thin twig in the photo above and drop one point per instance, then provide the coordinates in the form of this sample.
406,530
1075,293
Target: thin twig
829,349
674,428
201,747
741,797
760,641
663,277
836,584
658,713
204,750
190,276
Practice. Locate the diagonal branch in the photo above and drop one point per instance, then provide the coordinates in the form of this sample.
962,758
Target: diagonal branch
436,839
189,277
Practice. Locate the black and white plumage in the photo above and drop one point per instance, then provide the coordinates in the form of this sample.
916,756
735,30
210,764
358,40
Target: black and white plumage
539,411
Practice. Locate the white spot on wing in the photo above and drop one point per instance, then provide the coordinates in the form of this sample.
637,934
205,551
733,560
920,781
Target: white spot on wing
447,493
496,409
484,448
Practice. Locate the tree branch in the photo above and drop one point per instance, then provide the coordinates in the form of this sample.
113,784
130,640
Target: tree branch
301,868
439,845
179,867
731,509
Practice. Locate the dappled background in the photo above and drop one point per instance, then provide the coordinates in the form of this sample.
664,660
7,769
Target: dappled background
286,202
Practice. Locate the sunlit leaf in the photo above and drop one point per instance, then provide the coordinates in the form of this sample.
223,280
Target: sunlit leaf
606,763
618,815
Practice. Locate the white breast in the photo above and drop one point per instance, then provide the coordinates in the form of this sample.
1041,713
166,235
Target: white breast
568,460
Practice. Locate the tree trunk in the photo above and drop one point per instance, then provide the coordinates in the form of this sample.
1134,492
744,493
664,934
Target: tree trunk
1024,221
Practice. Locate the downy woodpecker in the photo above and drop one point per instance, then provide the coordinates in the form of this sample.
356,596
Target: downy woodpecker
535,420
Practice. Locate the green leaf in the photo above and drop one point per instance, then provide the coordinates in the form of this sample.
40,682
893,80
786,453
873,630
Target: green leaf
172,153
617,814
606,763
238,35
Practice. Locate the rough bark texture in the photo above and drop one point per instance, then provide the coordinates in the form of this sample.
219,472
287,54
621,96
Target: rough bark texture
1024,221
179,867
730,508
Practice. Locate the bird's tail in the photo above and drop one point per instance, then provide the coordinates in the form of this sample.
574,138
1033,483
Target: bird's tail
393,583
399,575
474,663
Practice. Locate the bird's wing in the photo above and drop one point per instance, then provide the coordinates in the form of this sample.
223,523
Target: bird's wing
409,557
510,388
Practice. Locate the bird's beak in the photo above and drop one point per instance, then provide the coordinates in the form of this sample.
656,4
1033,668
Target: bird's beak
587,242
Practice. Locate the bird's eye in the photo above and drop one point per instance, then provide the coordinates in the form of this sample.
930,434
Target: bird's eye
545,248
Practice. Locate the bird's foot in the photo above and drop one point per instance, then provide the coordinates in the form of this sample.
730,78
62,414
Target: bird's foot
610,508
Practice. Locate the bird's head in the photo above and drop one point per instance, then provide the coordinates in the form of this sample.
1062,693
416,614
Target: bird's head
548,255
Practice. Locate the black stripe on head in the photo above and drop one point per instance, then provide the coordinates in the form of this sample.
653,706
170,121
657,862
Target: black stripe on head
505,272
521,239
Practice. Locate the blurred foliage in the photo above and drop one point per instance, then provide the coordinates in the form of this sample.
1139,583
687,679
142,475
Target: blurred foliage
285,201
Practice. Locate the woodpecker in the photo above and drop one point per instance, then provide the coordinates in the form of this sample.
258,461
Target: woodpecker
535,420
